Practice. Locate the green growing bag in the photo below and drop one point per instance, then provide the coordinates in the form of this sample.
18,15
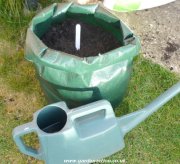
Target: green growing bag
78,80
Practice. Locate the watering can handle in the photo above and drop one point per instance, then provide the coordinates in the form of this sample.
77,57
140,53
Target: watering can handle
18,133
92,108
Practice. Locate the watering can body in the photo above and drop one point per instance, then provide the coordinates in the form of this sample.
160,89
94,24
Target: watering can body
88,132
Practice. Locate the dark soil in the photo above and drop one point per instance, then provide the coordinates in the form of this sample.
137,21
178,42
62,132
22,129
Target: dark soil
94,39
171,47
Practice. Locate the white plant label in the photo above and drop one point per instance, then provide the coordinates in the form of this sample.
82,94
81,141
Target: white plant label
78,37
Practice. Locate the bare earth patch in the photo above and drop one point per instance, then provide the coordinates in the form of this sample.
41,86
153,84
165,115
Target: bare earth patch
18,103
18,109
6,47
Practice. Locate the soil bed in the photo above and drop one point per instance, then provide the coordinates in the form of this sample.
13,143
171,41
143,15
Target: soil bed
94,39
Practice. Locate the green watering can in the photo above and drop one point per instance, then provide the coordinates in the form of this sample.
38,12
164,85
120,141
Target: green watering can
74,134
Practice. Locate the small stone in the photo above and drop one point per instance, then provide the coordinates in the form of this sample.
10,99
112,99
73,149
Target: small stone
11,100
171,68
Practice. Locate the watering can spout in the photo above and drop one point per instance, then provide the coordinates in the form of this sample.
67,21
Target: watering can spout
130,121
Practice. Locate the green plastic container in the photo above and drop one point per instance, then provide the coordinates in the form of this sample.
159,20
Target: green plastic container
81,80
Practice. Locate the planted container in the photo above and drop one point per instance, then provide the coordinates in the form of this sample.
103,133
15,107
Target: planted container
101,69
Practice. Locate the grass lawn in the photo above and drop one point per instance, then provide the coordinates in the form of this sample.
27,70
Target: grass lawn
157,140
